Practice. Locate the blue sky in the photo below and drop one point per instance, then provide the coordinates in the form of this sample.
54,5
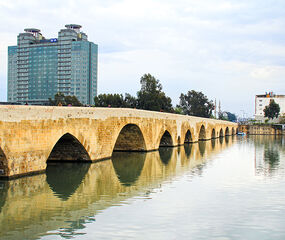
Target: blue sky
228,49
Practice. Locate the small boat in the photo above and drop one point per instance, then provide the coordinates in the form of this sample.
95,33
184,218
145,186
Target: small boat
241,133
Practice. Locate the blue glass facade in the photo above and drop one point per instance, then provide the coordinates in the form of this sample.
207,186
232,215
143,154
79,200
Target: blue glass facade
38,68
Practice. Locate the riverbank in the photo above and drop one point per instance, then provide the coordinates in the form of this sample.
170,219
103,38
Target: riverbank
262,129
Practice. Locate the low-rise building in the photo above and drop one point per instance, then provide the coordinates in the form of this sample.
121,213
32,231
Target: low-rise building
263,100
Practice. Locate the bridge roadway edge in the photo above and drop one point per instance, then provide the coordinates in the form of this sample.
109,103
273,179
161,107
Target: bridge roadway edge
29,133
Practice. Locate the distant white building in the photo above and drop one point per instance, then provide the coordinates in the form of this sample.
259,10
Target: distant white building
261,101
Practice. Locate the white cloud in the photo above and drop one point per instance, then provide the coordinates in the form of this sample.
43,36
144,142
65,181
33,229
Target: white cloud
230,50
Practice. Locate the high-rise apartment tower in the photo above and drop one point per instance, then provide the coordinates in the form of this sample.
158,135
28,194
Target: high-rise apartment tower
38,68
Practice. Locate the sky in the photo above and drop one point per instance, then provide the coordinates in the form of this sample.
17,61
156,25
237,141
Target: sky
230,50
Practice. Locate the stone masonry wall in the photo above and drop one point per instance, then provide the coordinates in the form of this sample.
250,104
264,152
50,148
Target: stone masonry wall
29,133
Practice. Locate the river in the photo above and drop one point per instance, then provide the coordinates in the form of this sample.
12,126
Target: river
228,188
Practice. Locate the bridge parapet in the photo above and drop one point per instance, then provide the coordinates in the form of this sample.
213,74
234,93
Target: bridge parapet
32,135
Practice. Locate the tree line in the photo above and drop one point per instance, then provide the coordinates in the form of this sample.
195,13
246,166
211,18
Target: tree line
150,97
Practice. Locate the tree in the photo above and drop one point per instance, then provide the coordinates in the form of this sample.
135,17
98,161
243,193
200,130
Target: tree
115,100
130,101
227,116
60,99
151,96
222,116
178,110
272,110
196,104
231,116
72,100
109,100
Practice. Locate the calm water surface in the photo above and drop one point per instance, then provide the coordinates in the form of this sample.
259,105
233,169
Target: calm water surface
231,188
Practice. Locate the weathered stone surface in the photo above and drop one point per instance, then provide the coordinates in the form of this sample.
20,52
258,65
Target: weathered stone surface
28,134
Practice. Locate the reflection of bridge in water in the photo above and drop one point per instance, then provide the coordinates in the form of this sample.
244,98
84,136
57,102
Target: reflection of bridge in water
35,205
268,149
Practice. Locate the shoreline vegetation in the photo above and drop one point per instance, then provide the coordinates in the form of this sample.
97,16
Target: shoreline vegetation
151,97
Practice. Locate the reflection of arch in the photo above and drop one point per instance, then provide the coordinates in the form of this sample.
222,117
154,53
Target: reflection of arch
4,186
233,131
3,164
68,148
221,133
202,148
213,133
221,139
128,166
202,133
188,149
165,155
166,140
227,132
227,139
130,139
64,178
213,143
188,137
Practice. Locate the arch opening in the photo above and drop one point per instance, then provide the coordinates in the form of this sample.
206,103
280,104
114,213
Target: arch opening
213,133
130,139
233,131
68,148
3,164
227,132
188,137
221,134
166,140
202,133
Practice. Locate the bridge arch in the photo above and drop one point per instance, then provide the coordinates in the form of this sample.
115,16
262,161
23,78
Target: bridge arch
166,140
233,131
130,138
188,137
227,132
68,148
213,135
3,164
221,133
202,133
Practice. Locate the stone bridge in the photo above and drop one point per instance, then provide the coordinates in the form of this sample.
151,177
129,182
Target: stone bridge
30,136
